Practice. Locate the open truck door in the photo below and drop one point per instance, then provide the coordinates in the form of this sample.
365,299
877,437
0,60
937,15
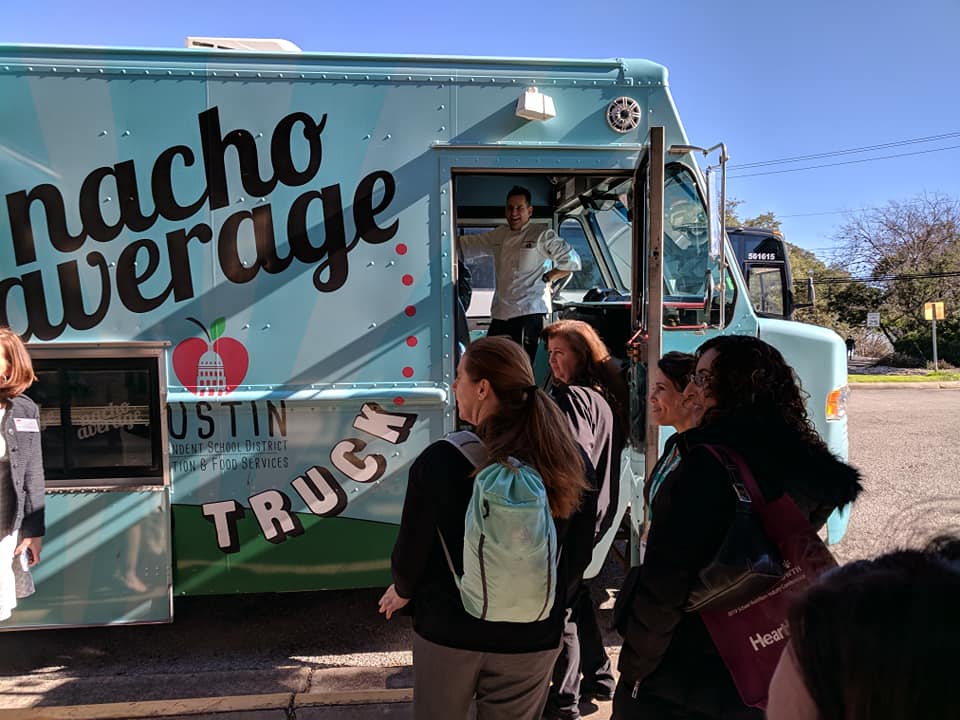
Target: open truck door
675,228
646,316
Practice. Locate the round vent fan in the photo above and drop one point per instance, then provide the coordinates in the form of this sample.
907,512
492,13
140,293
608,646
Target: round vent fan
623,115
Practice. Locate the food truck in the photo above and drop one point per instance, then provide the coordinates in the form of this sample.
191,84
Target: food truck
236,274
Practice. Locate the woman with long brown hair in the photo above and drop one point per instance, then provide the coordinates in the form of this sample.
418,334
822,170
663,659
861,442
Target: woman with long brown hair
589,389
580,357
505,666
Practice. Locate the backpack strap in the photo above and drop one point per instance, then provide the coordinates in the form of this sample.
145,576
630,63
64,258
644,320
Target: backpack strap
473,449
446,553
469,444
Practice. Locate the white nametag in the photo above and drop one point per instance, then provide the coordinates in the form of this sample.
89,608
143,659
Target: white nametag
27,424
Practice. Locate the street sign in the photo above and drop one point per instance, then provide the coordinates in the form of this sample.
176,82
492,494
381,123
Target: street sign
933,311
873,319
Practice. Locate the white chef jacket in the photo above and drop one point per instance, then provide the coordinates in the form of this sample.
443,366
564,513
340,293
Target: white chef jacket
520,259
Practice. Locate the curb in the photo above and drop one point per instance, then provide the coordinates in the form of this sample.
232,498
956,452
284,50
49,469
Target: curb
196,706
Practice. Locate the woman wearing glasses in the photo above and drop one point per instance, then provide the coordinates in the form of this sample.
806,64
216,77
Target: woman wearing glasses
753,404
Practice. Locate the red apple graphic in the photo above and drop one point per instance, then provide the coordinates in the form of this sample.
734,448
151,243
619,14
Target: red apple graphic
212,367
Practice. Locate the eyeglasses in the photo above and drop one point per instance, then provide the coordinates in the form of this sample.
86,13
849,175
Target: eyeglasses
701,379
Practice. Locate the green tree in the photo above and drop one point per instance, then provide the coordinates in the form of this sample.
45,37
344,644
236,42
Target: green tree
767,220
906,253
730,217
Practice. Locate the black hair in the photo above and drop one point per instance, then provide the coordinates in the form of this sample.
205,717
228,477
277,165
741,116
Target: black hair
519,190
677,367
878,639
749,378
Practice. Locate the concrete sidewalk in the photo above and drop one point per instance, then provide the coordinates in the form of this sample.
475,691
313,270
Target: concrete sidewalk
274,693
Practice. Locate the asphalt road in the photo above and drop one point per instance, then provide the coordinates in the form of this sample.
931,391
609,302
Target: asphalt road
906,442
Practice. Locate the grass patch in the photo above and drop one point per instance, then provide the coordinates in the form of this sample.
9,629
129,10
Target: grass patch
942,376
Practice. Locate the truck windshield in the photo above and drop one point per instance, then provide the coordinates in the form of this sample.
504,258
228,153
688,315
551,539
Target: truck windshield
686,244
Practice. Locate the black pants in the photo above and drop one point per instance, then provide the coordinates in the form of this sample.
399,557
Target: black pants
582,651
524,329
715,701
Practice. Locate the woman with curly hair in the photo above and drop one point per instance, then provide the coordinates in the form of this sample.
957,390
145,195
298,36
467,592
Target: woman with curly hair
752,403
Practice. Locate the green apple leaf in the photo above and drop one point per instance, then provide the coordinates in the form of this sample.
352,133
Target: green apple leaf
217,327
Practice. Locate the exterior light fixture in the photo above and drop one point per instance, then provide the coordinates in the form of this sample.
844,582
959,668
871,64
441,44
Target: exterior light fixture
534,105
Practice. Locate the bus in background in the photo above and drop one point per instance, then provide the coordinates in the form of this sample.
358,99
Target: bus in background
765,263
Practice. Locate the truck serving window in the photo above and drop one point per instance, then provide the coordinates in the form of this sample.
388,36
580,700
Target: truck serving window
100,421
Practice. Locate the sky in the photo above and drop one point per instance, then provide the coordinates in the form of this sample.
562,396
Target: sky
773,80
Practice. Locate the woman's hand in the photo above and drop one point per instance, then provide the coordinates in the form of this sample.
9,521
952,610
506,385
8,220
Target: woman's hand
391,602
33,546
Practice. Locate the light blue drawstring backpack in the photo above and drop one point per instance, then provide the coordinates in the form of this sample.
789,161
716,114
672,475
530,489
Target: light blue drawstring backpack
510,541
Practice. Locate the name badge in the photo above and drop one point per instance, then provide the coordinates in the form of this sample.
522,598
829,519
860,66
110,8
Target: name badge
26,424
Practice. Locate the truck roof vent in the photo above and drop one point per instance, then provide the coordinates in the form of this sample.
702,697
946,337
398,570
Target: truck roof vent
255,44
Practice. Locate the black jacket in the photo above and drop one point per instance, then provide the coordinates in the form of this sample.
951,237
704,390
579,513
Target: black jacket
591,421
438,490
666,650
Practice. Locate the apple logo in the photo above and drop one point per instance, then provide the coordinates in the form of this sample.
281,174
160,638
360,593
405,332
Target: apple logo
212,367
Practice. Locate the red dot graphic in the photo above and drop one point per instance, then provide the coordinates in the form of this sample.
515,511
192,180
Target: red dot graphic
410,311
401,249
398,400
407,279
412,341
408,372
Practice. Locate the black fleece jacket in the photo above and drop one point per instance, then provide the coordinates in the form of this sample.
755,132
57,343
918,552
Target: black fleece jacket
592,424
439,487
666,650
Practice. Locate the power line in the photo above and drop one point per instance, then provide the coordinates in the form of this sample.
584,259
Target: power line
839,279
825,212
849,151
844,162
899,204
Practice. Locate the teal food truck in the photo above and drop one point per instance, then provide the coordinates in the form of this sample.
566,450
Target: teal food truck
236,273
